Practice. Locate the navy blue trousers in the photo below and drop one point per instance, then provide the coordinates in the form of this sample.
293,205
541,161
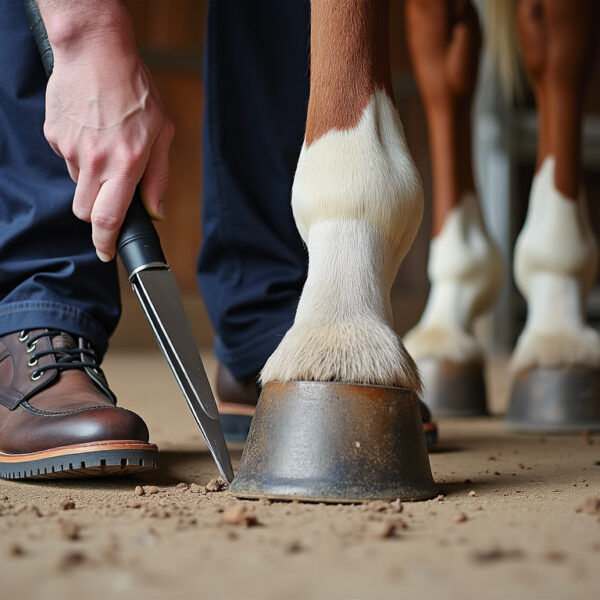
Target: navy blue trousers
49,273
252,264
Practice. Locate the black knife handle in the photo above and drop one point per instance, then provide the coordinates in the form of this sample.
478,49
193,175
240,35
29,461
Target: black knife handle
38,29
138,244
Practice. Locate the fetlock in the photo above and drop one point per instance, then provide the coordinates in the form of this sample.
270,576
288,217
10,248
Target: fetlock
465,271
342,329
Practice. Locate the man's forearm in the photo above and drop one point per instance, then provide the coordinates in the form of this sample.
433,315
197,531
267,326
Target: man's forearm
70,23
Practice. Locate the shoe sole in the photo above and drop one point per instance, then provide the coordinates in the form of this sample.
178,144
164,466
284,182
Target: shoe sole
431,435
94,459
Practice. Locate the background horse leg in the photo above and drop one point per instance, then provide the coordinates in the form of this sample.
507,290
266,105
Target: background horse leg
357,202
464,266
556,253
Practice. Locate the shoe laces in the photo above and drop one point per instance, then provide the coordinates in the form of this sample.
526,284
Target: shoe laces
66,359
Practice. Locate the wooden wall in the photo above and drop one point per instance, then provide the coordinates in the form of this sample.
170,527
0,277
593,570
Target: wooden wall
171,37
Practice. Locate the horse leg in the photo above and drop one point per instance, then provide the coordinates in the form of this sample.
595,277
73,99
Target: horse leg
556,363
556,253
464,266
357,202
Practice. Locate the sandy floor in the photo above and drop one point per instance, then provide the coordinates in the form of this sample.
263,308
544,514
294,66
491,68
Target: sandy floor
507,525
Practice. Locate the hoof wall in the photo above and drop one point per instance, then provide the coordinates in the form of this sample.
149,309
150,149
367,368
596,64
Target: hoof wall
453,389
555,400
335,442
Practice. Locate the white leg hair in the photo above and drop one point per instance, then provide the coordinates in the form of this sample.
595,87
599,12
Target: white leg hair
357,202
465,271
555,264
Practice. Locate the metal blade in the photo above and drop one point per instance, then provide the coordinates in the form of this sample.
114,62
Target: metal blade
158,293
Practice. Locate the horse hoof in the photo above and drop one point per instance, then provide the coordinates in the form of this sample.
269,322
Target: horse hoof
453,389
335,442
555,400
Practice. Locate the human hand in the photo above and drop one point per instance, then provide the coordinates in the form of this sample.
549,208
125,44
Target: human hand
105,118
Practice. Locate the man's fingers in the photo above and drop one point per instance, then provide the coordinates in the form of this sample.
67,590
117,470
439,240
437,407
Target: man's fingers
54,147
156,176
86,192
73,171
108,214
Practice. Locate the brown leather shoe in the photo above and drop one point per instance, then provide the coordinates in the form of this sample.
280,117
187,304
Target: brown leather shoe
58,417
237,403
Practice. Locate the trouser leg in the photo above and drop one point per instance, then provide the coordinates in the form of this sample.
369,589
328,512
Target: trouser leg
252,264
49,273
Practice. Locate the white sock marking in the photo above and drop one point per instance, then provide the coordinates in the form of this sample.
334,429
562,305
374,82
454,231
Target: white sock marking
465,271
555,264
357,201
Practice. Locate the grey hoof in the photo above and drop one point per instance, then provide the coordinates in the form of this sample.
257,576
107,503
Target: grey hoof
335,442
555,400
453,389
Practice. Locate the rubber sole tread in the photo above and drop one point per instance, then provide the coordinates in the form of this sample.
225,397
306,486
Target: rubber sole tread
82,465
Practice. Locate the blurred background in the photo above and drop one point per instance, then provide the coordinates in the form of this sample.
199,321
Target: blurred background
171,38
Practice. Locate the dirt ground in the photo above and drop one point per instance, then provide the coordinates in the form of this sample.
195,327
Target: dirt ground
515,520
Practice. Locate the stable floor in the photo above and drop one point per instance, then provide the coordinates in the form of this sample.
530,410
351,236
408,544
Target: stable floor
513,521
